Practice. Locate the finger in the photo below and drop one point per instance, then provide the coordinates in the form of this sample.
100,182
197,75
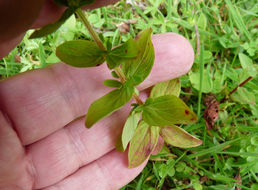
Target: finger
52,12
109,172
72,147
42,101
14,170
17,16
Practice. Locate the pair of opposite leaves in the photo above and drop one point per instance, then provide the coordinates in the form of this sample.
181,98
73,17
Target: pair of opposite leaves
158,121
136,58
162,109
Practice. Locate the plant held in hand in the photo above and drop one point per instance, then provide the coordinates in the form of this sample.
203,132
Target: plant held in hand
130,64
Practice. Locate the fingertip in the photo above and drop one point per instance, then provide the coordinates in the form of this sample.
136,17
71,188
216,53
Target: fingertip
121,174
177,50
174,57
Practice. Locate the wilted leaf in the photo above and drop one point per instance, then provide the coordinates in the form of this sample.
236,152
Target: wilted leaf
128,50
139,68
113,83
50,28
142,144
158,147
107,104
211,113
178,137
80,53
167,110
171,87
129,128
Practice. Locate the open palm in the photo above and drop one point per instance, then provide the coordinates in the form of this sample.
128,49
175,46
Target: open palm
43,141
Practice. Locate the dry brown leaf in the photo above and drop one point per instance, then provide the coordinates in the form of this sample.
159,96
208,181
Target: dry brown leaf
211,113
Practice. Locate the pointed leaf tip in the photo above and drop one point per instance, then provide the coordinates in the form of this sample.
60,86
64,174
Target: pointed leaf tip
119,146
178,137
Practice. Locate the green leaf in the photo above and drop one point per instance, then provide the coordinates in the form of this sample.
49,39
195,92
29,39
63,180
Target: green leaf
107,104
116,56
167,110
127,50
130,127
207,57
247,64
113,73
207,83
202,21
142,144
139,68
178,137
113,83
80,53
50,28
171,87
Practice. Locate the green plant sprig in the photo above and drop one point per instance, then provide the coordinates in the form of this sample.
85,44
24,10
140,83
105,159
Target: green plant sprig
96,38
131,63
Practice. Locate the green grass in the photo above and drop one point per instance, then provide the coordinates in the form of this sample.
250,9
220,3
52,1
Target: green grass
228,56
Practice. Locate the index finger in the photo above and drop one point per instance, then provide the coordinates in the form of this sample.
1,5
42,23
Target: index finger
42,101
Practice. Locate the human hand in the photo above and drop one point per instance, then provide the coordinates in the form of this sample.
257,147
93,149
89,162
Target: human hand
44,146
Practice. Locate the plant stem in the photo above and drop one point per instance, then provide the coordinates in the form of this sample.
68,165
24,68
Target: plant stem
201,81
235,89
137,99
93,34
96,38
120,73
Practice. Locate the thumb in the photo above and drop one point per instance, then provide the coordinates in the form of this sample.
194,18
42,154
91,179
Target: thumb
17,16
